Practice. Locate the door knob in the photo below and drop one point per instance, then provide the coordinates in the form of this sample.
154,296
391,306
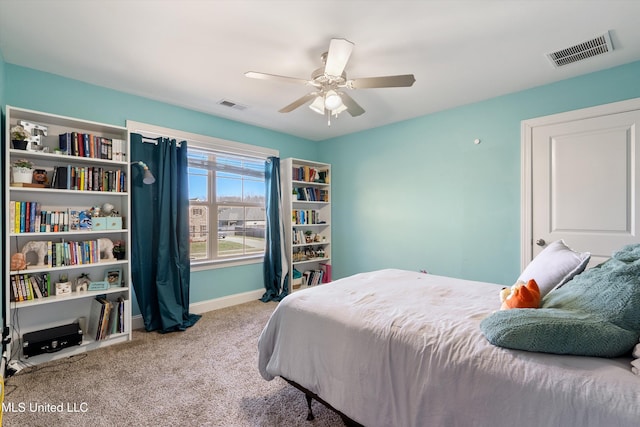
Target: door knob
540,242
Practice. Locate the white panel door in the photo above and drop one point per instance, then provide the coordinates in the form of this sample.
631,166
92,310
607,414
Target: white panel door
584,184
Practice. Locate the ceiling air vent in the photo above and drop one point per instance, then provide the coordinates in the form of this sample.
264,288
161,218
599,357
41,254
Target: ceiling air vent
230,104
594,47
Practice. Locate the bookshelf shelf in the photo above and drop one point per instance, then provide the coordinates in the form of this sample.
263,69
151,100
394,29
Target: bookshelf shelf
86,345
67,192
68,233
306,194
297,183
96,171
62,158
302,245
44,268
74,295
312,260
310,202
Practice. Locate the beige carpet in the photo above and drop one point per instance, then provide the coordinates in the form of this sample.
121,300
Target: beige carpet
205,376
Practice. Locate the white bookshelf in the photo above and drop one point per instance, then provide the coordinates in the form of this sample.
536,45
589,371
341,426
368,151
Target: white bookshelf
36,314
307,217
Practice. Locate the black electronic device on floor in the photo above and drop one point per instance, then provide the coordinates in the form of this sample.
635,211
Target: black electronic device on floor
51,340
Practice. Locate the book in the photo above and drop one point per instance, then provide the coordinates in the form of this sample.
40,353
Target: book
61,177
37,292
26,287
14,288
96,314
84,220
122,310
326,269
99,319
85,145
23,213
16,225
64,142
74,220
32,217
50,254
12,215
27,218
75,148
80,145
105,331
42,280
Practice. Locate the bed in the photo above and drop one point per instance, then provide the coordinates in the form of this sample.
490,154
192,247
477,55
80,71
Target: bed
402,348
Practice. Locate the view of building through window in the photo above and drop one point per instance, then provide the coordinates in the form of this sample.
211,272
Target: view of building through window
226,206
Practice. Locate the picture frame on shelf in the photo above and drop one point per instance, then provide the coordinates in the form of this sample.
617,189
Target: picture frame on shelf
113,277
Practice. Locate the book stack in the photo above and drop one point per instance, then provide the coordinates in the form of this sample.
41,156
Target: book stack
24,217
74,253
312,194
106,318
25,287
298,236
88,145
88,178
63,253
313,277
31,217
309,174
305,216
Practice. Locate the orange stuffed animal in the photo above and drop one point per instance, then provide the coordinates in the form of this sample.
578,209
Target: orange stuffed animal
521,295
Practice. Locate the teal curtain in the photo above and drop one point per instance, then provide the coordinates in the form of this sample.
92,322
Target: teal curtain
160,266
275,262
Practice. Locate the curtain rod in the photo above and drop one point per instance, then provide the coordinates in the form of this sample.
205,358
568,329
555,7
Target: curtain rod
151,140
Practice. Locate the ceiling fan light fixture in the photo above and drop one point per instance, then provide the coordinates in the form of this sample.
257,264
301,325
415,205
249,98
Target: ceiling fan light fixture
339,110
332,100
318,105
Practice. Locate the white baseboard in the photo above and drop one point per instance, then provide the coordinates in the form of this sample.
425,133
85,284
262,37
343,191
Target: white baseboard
213,304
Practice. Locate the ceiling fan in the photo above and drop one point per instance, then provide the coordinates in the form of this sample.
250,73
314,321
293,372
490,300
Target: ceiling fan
330,80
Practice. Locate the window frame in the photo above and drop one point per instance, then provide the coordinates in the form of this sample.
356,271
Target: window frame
213,205
222,146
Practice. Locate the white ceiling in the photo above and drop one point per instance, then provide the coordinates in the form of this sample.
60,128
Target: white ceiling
194,53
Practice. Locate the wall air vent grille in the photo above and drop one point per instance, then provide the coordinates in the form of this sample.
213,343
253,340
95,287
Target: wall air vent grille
231,104
594,47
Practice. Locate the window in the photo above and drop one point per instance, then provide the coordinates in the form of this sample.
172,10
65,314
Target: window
226,205
226,197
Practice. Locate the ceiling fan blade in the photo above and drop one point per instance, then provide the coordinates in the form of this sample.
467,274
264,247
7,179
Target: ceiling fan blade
353,107
339,53
404,80
298,102
265,76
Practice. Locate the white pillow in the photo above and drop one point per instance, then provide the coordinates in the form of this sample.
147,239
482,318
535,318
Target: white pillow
555,266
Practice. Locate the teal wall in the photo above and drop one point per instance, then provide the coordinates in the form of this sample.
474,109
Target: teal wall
420,195
28,88
416,194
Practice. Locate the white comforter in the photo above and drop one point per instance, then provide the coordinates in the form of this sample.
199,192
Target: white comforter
399,348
